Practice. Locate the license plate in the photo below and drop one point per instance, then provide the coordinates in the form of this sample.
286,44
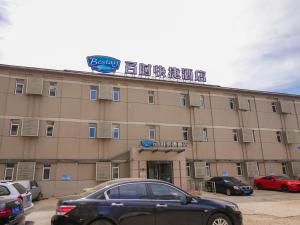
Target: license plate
16,210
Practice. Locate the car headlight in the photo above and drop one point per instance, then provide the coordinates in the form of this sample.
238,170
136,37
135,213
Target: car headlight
234,207
236,188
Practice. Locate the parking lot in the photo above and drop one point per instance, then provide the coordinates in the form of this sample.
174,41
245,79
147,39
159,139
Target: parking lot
262,208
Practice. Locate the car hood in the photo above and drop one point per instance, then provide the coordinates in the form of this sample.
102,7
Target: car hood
215,202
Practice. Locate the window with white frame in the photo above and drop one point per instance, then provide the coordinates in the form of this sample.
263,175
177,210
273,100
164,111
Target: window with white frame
188,169
14,127
205,135
9,172
19,86
185,132
274,106
235,135
116,94
115,171
202,102
239,170
279,136
232,103
284,168
207,169
46,172
52,89
50,128
92,130
116,131
152,133
93,92
182,100
151,97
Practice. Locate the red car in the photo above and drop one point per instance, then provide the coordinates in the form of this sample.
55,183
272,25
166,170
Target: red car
281,183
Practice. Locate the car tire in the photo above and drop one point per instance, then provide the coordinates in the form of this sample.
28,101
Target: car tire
228,192
259,186
219,219
101,222
284,188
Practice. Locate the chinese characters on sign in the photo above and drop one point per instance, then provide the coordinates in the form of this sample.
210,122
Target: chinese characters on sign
133,68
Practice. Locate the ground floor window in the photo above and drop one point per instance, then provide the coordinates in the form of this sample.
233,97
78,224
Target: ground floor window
115,172
207,169
283,167
46,172
239,170
9,172
188,169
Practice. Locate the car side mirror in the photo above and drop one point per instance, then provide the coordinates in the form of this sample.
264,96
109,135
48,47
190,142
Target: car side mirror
184,200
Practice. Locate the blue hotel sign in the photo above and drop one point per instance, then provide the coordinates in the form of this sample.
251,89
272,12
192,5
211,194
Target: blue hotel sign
106,64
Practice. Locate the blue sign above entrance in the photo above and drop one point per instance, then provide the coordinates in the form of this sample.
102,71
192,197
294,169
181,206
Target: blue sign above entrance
104,64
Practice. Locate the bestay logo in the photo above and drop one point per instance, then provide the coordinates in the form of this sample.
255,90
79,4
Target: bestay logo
104,64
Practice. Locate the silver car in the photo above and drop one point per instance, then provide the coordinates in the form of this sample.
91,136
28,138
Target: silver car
14,190
33,187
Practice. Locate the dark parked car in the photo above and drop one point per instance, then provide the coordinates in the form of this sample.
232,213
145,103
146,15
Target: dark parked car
143,202
11,212
228,185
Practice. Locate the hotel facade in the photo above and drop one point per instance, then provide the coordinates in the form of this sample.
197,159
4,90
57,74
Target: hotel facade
70,130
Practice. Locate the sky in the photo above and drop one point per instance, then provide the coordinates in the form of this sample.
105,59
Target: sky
250,44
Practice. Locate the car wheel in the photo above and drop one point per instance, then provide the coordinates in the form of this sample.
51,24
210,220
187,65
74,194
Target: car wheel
219,219
284,188
259,186
101,222
228,192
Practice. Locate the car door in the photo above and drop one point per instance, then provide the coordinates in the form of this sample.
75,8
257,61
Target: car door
130,204
220,185
268,182
171,210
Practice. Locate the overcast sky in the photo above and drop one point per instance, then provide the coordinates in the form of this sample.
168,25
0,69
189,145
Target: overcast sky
252,44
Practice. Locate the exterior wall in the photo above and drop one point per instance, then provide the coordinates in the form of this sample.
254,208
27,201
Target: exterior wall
71,150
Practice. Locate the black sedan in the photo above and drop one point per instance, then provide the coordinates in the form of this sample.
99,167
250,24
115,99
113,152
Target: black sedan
228,185
143,202
11,212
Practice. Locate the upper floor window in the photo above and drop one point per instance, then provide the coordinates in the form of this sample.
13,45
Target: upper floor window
239,170
46,172
116,94
115,172
235,135
185,131
152,133
183,100
116,131
232,103
50,128
283,167
52,89
92,130
19,86
151,97
93,92
202,102
14,127
279,136
205,135
274,106
207,169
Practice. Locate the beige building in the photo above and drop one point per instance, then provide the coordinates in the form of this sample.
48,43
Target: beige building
70,130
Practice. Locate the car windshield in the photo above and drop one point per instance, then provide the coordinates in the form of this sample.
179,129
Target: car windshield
231,180
21,189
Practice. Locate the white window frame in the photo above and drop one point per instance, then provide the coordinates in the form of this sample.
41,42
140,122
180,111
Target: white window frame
274,106
112,172
205,134
202,102
44,168
207,169
232,103
235,134
185,130
284,168
19,83
188,169
279,135
116,90
152,129
94,126
93,90
238,167
14,124
182,100
9,168
151,95
53,86
50,126
117,128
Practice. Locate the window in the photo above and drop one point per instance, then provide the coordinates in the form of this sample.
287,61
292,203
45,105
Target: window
50,128
165,192
253,135
185,131
239,170
274,106
188,169
182,100
279,136
202,102
14,127
151,97
4,191
93,92
284,169
235,135
19,86
9,172
46,172
115,172
116,131
92,130
113,193
152,133
52,89
232,103
205,136
207,169
116,94
128,191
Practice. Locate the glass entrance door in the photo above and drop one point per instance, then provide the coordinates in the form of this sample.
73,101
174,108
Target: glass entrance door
160,170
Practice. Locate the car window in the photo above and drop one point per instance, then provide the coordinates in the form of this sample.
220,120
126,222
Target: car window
128,191
165,192
21,189
267,178
113,193
4,191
